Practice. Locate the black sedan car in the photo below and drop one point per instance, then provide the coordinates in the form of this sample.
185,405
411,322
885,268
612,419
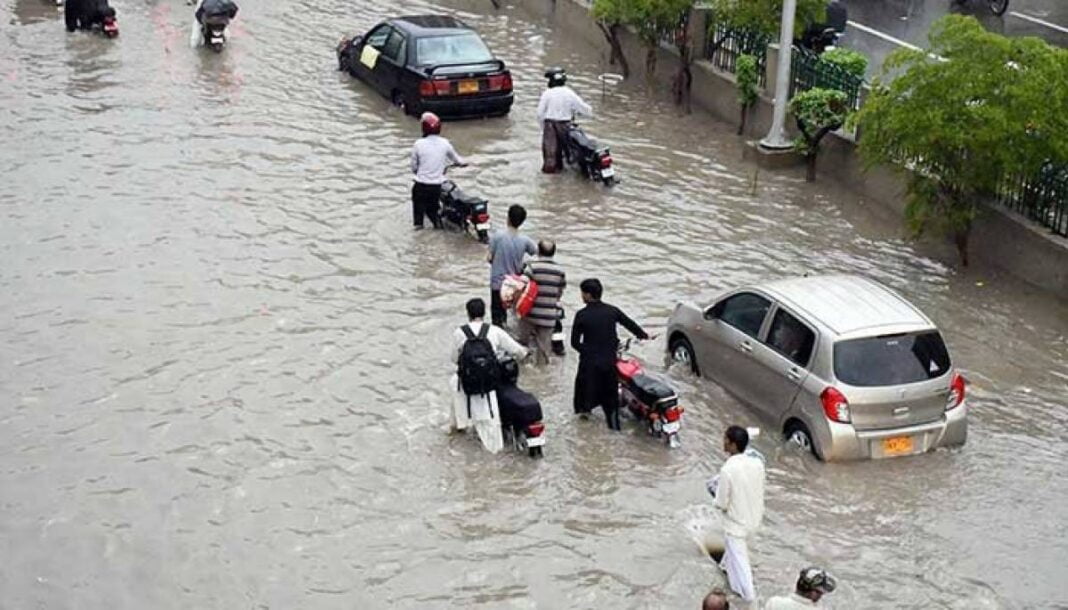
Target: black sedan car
430,63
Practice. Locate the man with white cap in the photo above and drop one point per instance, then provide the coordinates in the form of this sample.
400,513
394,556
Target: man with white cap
812,585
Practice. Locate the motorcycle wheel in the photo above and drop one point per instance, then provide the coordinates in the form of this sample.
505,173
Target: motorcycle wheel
998,7
534,452
608,181
483,235
217,47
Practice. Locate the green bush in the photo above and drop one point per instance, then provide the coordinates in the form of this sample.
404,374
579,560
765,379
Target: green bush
745,70
849,60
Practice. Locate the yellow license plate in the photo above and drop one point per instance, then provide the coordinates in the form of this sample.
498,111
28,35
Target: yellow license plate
898,445
468,86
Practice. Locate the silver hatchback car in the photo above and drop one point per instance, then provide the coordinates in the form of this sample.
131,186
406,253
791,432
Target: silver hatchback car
841,365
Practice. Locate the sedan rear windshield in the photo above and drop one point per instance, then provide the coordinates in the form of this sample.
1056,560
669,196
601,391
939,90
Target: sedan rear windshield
891,359
453,49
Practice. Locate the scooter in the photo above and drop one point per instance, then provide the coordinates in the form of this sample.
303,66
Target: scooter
213,29
590,158
649,398
466,212
521,415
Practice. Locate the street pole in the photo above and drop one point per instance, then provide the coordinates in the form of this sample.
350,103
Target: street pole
776,138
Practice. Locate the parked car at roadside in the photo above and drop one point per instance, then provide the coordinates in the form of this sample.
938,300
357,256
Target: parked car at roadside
841,365
430,63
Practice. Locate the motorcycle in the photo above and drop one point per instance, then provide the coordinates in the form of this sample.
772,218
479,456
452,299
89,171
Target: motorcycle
213,29
590,158
998,7
820,37
648,397
464,211
521,415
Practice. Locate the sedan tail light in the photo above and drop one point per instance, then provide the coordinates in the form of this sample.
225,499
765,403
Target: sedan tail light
426,88
835,405
433,87
956,391
500,82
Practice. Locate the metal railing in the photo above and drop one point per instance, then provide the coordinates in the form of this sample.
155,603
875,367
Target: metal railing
735,43
1043,199
810,72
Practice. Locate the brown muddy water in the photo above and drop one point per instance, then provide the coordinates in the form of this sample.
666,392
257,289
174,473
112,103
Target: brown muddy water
223,349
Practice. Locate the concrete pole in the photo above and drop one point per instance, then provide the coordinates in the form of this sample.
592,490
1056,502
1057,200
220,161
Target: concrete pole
776,138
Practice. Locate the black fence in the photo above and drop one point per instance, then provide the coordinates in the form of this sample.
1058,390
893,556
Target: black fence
724,45
1043,199
810,72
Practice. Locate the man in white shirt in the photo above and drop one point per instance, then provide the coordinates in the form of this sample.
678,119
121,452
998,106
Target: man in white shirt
431,156
739,494
812,585
557,106
480,409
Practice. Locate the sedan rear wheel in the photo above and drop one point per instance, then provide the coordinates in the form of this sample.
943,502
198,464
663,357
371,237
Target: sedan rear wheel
401,102
682,352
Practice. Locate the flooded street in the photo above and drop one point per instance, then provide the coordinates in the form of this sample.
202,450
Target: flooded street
223,350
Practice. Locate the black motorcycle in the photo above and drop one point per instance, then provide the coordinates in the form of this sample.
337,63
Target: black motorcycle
465,212
998,7
592,160
520,411
819,37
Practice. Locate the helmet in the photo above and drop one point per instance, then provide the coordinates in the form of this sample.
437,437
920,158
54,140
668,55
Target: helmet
431,123
556,76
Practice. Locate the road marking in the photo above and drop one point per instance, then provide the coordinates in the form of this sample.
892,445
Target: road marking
883,35
1052,26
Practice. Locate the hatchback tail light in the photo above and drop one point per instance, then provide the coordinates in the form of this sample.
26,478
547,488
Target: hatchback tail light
835,405
673,414
956,391
535,429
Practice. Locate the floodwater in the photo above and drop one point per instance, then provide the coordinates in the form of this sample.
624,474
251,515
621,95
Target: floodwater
223,349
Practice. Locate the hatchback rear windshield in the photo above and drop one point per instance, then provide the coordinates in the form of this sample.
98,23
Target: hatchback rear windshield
891,359
454,49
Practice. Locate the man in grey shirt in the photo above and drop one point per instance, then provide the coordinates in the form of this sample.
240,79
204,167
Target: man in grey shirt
431,155
507,250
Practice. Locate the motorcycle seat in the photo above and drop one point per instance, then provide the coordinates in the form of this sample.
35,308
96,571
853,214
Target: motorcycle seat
652,390
581,140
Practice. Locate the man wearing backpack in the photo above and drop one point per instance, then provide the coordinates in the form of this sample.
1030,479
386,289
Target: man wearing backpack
476,346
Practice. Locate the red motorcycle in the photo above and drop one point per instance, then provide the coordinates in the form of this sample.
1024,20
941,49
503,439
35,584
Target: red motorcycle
649,398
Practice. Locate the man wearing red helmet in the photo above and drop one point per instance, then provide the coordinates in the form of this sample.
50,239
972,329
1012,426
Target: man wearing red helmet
431,155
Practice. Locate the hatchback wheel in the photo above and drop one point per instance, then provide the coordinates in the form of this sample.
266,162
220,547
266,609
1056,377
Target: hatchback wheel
682,352
797,433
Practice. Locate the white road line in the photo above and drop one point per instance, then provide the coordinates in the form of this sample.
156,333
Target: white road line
1052,26
883,35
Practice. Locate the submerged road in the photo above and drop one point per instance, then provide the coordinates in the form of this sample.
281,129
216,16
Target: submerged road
223,349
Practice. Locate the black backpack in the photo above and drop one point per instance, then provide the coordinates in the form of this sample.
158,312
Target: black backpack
479,370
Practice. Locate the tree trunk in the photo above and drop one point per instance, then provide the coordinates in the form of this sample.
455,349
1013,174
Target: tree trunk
650,61
810,171
611,34
960,238
683,82
745,115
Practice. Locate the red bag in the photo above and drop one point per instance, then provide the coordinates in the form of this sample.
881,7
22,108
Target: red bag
525,302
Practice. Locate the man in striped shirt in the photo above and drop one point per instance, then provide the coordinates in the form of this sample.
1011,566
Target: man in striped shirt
542,318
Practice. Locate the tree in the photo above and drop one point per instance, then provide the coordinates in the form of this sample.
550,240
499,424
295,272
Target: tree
818,112
972,110
654,20
745,72
762,17
611,16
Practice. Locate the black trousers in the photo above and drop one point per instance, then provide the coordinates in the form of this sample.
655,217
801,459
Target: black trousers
76,14
596,385
498,314
425,202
